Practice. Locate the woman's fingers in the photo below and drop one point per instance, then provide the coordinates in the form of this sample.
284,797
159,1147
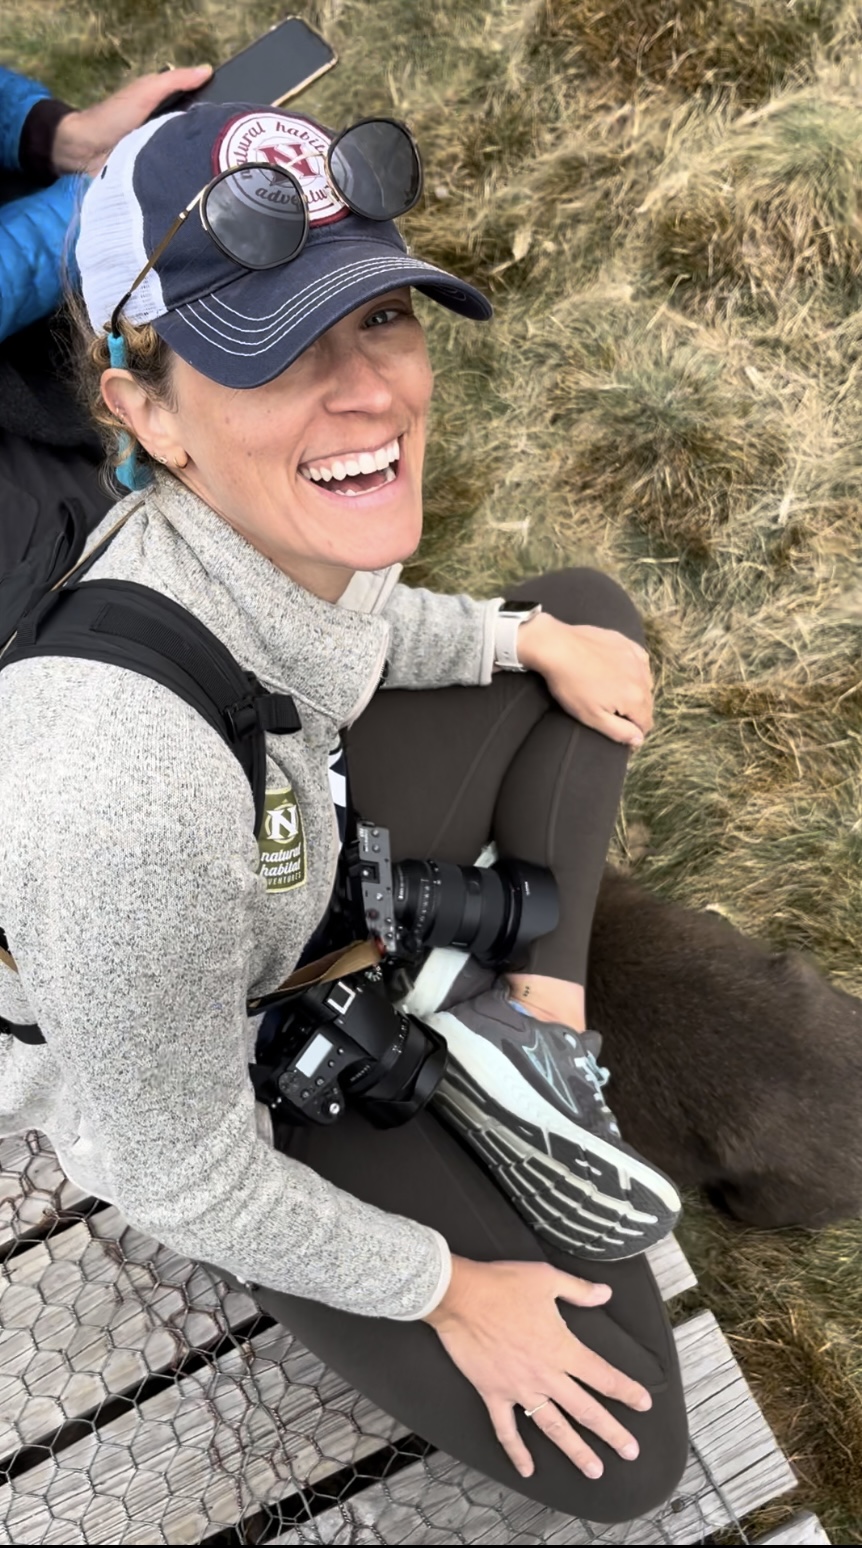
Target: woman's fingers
583,1363
549,1419
571,1397
580,1292
618,728
502,1416
590,1368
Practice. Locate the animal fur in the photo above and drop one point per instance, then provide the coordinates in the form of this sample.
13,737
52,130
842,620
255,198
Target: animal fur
735,1068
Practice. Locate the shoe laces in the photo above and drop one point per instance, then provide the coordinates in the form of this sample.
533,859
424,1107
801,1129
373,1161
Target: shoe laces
600,1074
596,1075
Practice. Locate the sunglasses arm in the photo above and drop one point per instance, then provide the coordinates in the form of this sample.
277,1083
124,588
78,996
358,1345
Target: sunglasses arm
154,258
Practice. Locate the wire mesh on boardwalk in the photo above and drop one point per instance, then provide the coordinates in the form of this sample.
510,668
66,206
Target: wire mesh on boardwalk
143,1401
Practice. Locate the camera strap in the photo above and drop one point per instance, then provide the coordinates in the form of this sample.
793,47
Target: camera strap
354,958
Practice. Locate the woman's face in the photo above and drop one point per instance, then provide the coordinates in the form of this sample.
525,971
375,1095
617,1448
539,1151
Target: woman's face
272,460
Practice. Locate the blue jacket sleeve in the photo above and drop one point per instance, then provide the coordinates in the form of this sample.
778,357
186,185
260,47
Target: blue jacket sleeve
33,242
17,96
32,229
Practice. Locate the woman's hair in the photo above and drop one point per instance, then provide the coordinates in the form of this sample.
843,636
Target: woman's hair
150,361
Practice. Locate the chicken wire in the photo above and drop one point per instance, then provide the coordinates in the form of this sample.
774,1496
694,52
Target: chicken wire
142,1400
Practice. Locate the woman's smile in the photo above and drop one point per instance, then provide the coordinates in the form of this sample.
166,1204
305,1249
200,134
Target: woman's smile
355,474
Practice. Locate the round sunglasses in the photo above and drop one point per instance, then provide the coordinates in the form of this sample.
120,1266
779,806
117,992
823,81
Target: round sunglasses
257,214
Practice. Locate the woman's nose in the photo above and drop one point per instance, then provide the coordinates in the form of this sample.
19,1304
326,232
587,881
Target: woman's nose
356,385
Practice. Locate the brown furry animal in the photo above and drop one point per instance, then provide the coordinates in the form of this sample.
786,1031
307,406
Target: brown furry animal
734,1068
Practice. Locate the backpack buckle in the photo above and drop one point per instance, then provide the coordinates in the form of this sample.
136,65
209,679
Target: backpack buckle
242,718
262,711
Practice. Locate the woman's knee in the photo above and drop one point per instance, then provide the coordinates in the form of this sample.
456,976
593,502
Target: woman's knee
644,1486
584,596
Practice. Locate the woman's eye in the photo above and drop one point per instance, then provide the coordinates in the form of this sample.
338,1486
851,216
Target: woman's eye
384,314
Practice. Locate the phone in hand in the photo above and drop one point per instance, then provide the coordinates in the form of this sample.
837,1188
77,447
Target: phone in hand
272,69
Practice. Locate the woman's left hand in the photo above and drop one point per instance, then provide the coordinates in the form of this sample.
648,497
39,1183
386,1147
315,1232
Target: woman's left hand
599,676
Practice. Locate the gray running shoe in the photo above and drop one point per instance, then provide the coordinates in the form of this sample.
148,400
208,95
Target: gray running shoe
527,1096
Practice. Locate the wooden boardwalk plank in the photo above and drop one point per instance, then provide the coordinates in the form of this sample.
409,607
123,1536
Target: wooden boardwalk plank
804,1528
672,1270
90,1313
243,1431
440,1501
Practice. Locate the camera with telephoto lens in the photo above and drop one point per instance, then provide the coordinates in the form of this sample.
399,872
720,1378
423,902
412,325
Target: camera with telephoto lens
492,912
346,1041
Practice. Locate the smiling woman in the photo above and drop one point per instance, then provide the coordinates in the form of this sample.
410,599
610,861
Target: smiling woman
270,419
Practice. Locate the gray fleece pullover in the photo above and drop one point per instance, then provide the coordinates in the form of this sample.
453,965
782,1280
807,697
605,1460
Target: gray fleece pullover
133,901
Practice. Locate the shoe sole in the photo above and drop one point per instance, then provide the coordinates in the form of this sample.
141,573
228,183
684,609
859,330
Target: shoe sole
579,1192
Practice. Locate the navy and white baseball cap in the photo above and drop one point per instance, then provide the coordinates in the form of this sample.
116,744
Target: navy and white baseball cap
237,326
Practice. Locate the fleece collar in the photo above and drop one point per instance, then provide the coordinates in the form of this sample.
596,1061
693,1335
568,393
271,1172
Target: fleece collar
327,656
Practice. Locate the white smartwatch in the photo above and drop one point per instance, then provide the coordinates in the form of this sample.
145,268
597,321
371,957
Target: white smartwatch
508,622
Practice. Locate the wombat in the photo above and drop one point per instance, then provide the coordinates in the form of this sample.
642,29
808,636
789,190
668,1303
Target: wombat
735,1068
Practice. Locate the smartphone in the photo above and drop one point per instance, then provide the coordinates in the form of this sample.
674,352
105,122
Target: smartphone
272,69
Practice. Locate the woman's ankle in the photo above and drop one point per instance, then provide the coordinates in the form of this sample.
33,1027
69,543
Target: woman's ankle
549,999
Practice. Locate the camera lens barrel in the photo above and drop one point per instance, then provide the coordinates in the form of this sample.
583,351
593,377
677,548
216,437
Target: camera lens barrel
493,912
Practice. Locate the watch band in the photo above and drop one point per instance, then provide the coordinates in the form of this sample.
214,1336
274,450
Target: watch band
508,622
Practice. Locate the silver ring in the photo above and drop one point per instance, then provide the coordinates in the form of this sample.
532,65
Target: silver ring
531,1411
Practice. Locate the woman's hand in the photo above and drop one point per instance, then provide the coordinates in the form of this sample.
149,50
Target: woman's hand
500,1324
85,139
598,675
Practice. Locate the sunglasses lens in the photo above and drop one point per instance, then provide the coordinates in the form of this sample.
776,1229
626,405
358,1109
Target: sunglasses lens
376,167
257,216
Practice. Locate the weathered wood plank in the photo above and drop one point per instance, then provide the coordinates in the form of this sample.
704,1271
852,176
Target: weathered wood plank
672,1270
33,1189
92,1311
440,1501
804,1528
241,1432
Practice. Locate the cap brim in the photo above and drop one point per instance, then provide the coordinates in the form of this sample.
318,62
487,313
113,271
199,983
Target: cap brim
251,330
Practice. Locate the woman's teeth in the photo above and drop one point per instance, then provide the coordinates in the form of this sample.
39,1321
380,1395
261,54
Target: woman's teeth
339,468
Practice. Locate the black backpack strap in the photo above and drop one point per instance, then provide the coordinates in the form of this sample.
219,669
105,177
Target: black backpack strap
50,565
124,624
131,626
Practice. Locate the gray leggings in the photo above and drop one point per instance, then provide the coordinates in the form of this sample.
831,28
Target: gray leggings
446,770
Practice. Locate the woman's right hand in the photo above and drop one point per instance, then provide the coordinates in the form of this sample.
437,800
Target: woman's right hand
500,1324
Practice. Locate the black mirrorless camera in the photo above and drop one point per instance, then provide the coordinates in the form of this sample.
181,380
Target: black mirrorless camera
346,1041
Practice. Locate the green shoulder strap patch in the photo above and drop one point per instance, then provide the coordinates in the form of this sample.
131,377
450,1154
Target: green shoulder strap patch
281,842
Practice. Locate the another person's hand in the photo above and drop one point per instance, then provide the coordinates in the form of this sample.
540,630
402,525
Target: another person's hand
85,139
598,675
500,1324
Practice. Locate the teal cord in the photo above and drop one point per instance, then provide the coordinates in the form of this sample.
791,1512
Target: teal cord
129,473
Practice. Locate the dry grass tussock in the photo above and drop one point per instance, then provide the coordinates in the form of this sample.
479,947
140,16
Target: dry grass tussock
663,200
